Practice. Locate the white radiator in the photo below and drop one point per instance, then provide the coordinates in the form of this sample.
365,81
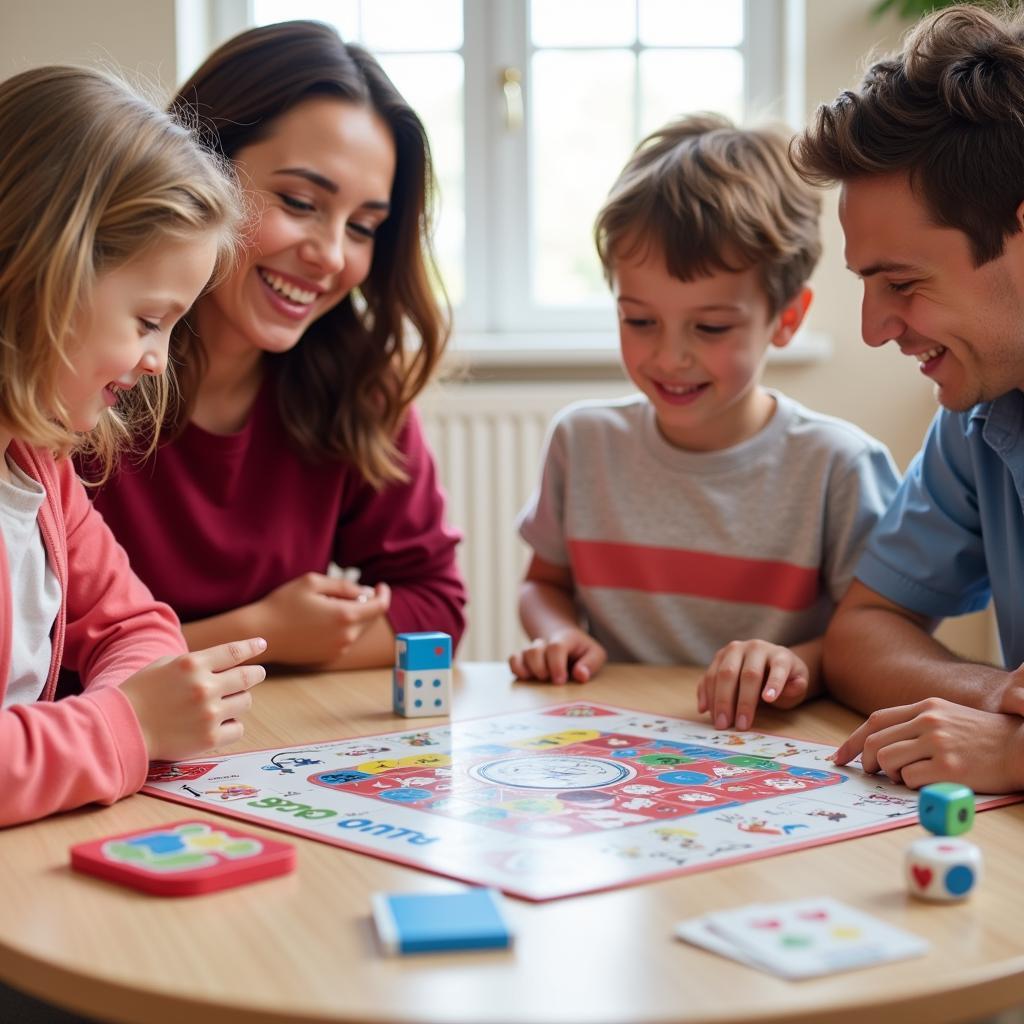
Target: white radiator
487,439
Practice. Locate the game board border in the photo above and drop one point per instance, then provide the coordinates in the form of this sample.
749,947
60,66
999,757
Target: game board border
466,876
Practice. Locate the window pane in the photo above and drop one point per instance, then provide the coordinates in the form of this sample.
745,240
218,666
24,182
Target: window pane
432,84
342,14
674,82
691,23
412,24
582,107
583,22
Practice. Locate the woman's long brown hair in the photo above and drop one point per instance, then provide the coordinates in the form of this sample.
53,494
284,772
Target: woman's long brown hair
344,389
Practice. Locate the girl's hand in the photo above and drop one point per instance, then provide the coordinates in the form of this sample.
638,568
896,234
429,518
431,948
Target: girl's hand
567,655
743,671
191,704
313,619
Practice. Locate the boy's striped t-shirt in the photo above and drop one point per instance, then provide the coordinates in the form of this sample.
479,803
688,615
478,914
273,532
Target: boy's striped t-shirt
675,553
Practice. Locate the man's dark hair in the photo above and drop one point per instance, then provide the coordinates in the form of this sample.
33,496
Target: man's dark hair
947,111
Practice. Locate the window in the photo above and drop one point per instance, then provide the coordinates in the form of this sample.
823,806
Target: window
532,107
420,44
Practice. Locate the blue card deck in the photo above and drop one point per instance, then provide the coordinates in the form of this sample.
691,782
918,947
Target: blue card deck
439,921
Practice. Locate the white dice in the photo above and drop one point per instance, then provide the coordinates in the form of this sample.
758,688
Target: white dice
421,693
421,680
943,868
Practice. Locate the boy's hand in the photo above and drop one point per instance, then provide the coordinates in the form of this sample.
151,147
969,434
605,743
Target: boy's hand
743,671
567,655
191,704
936,740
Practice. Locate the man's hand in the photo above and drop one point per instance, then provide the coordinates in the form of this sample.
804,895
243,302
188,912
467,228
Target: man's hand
936,740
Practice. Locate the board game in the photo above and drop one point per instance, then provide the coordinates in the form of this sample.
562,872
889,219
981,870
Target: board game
555,801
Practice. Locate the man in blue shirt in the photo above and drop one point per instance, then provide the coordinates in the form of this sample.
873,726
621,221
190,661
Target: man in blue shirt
929,152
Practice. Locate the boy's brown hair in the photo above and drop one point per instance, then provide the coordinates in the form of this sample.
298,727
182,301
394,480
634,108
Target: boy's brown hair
947,112
710,196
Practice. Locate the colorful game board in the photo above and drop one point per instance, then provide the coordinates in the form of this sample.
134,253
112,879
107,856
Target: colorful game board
555,801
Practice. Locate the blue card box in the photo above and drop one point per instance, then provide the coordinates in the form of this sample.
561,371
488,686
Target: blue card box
439,921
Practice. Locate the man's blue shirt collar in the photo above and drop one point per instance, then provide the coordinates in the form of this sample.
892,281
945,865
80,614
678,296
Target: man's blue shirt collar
1000,421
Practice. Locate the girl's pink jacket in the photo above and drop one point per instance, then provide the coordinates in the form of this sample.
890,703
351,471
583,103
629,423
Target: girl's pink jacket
55,755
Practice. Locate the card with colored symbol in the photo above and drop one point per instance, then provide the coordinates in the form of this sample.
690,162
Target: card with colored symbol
698,932
803,938
184,858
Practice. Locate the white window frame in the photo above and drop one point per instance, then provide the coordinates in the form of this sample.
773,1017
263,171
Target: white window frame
497,324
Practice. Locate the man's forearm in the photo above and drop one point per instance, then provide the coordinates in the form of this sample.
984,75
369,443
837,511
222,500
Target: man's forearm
875,658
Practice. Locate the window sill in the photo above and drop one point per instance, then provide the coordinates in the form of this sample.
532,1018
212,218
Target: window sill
532,351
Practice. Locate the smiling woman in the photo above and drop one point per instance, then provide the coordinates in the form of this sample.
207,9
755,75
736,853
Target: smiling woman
295,443
321,185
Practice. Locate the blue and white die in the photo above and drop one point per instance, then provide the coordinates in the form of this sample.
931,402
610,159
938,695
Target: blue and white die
421,680
423,650
943,868
946,808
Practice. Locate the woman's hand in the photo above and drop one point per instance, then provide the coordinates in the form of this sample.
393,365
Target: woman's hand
313,619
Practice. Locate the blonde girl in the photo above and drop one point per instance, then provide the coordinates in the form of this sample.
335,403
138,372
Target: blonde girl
112,220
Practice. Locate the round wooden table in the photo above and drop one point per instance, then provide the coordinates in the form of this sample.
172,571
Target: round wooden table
302,948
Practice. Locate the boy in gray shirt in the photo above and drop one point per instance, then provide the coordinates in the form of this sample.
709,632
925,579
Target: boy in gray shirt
708,507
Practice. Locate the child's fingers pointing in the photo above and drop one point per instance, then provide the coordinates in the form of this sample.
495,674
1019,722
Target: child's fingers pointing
241,678
228,655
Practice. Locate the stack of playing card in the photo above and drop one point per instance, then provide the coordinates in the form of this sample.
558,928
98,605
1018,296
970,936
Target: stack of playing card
801,938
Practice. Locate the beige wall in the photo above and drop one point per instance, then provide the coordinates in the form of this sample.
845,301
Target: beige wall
135,35
881,391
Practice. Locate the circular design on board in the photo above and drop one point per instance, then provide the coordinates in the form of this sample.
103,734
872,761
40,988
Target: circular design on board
552,771
405,795
685,778
588,798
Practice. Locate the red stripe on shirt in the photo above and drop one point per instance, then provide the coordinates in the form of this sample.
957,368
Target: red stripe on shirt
697,573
